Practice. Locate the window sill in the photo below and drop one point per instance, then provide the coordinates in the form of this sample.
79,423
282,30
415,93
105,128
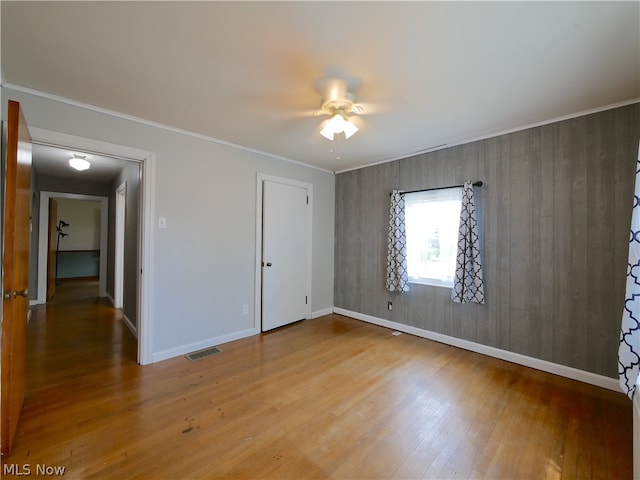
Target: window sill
430,282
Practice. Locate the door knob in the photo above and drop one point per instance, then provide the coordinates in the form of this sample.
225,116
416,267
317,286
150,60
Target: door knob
8,295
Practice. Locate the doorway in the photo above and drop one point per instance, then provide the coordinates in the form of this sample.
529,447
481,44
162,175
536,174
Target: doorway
146,161
44,240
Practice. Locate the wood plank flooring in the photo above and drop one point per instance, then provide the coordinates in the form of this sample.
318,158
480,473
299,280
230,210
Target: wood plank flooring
330,398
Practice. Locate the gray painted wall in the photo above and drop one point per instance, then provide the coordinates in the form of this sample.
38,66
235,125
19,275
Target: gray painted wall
203,263
131,174
556,209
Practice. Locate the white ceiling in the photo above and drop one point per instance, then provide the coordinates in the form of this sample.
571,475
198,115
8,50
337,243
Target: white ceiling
241,71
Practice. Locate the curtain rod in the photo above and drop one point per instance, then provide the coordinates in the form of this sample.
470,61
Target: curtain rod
475,184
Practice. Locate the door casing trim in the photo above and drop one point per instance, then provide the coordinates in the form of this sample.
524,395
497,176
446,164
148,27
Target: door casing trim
119,234
261,178
146,232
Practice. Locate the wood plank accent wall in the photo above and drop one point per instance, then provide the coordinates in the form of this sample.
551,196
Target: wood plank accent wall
555,209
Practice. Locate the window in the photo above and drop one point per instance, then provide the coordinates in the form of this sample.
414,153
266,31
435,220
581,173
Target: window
431,222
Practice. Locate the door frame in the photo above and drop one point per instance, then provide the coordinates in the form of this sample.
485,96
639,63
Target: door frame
261,178
43,239
52,255
118,270
147,160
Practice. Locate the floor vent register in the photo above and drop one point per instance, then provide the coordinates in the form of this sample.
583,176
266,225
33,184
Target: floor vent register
205,352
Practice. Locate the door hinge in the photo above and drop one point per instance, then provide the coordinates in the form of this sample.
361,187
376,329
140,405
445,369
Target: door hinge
307,199
306,299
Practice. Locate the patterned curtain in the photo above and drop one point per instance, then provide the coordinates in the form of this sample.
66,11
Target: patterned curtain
629,349
397,279
468,285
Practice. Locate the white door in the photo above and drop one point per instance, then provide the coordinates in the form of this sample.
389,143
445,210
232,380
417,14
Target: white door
285,254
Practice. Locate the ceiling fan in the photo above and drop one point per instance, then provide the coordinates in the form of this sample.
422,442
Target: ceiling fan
337,92
339,103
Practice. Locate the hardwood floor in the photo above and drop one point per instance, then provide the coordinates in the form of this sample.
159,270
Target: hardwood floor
326,398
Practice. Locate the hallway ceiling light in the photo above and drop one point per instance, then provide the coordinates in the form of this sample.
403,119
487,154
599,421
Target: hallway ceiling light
79,162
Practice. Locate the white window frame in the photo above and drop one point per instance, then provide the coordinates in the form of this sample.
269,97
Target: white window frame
453,194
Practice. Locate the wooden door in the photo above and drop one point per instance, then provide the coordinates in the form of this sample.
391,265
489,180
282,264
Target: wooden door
15,263
285,265
52,253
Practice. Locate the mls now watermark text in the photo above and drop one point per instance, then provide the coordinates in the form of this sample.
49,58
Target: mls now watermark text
26,469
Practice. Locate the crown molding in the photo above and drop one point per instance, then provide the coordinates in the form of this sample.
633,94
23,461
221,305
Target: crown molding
131,118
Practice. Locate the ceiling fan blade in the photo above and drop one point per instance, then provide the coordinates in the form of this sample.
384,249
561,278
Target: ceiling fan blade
378,106
359,122
298,114
332,88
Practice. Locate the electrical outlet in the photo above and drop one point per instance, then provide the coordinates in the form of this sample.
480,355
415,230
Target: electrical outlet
245,309
389,305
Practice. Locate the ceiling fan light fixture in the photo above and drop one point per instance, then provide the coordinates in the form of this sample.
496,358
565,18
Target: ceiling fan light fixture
349,129
327,132
79,162
338,124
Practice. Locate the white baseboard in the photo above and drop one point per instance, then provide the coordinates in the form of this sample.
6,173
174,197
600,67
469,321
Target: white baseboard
130,325
192,347
33,302
322,313
543,365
